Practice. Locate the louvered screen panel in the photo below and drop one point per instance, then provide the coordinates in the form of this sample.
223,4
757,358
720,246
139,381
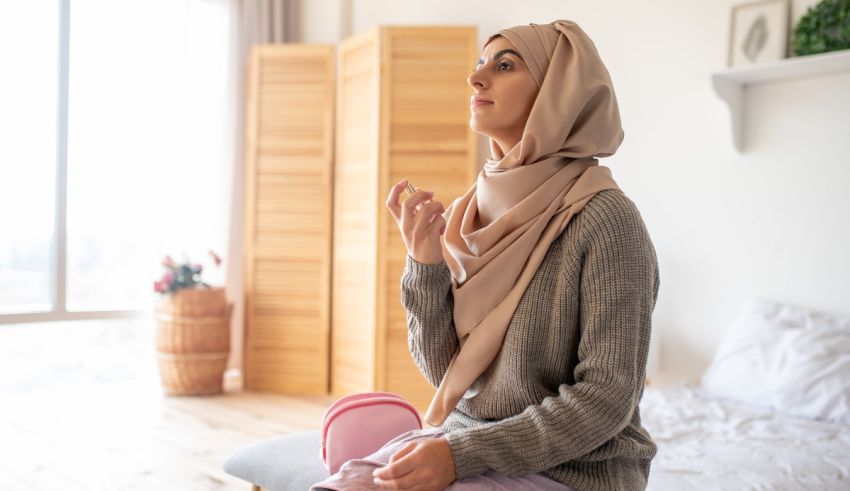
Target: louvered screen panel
289,113
429,142
403,112
355,195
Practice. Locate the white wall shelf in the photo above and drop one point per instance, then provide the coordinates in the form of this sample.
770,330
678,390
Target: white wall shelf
731,84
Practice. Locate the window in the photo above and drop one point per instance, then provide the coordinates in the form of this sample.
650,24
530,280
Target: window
28,96
149,147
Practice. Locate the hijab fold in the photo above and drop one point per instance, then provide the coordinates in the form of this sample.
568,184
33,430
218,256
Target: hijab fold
498,232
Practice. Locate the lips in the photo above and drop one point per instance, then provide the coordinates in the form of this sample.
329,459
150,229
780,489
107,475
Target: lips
479,101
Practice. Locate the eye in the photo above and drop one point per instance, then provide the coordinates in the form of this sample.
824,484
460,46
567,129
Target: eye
499,66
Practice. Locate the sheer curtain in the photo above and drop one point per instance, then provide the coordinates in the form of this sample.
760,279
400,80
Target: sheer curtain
259,22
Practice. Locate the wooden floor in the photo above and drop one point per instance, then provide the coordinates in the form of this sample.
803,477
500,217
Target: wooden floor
81,409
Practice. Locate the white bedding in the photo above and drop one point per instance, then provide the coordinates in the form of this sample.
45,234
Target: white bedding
707,443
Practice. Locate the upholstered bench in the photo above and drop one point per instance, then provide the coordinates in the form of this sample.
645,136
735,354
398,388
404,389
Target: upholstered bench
286,463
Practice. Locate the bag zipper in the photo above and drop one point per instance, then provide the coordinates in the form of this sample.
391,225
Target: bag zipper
359,404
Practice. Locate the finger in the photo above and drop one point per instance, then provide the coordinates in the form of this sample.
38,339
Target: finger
411,481
393,198
436,213
427,214
409,205
383,483
399,468
415,200
401,453
439,222
385,472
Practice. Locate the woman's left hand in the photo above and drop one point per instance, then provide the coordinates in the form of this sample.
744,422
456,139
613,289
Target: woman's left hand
425,464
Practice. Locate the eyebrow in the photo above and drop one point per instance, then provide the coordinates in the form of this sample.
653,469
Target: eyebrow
499,54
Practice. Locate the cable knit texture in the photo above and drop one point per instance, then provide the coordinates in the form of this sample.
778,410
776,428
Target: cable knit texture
562,395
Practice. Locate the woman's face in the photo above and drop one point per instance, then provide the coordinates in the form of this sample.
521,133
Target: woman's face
506,91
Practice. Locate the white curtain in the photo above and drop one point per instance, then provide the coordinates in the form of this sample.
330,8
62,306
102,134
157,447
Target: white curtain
256,22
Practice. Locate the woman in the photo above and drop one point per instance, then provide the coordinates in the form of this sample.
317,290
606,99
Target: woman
532,316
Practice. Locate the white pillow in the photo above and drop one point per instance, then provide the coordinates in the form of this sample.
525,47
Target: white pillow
786,358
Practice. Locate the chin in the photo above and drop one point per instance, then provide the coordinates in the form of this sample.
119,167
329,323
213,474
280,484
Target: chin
477,128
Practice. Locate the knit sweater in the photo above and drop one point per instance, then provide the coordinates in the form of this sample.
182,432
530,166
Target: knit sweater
562,395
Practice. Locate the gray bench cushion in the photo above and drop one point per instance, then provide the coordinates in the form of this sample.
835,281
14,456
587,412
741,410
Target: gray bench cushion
285,463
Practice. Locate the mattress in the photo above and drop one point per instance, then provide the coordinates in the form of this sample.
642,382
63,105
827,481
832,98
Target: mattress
708,443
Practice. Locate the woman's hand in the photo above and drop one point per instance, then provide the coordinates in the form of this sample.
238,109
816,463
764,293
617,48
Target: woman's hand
421,223
425,464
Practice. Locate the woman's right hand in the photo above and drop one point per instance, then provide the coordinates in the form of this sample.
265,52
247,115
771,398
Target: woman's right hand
420,221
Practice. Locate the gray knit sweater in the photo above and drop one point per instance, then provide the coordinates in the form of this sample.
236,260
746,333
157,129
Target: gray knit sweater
562,394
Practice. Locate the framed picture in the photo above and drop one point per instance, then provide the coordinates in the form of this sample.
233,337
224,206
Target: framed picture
758,32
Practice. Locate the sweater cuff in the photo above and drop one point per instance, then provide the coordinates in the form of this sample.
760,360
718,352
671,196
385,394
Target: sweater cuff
466,453
425,276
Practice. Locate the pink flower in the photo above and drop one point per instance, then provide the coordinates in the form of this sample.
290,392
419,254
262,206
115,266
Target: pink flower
167,261
215,257
158,287
167,277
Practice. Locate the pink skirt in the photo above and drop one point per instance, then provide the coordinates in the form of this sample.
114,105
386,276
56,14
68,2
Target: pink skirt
356,474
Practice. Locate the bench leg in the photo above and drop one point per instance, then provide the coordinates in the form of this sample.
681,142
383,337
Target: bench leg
254,487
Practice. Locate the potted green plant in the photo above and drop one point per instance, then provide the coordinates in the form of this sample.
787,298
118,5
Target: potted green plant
825,27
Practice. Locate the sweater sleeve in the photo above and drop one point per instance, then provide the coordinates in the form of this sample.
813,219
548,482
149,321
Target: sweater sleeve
618,289
426,295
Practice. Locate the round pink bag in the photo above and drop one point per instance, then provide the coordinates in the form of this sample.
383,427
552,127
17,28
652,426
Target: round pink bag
358,425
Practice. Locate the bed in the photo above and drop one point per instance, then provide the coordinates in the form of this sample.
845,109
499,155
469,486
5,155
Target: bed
709,443
772,411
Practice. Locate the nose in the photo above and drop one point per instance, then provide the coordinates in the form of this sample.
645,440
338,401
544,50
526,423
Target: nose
476,80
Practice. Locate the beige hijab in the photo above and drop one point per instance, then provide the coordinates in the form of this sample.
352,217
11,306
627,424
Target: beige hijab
499,231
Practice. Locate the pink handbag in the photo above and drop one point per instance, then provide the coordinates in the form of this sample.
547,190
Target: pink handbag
358,425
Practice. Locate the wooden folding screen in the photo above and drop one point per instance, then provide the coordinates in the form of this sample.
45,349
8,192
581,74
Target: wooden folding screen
402,111
288,204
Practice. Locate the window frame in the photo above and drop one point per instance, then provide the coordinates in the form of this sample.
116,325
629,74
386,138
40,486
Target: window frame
59,246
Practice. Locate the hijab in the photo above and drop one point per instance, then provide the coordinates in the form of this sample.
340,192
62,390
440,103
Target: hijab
498,232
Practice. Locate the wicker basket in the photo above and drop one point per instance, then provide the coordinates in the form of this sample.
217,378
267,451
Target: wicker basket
193,340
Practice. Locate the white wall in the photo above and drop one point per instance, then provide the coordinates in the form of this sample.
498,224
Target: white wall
772,222
324,21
